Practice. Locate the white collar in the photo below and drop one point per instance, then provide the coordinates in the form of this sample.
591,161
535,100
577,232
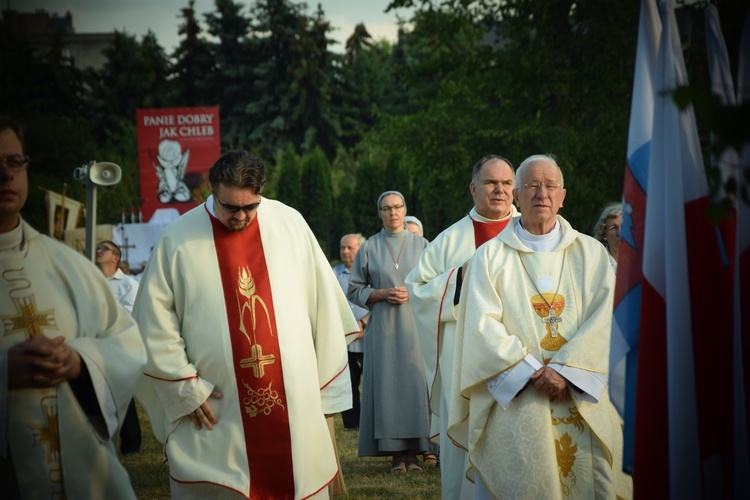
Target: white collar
540,242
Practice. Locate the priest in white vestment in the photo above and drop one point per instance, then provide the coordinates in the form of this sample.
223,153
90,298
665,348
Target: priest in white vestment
245,327
531,404
70,357
434,286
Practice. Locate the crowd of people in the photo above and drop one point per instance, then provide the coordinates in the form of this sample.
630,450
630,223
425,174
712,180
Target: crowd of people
484,351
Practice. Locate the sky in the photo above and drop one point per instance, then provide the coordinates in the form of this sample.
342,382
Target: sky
136,17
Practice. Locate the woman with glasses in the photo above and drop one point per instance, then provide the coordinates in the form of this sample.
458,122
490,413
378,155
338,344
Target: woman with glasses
394,414
607,230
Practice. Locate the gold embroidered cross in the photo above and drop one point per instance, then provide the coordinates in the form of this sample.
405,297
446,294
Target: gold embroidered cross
28,319
257,361
48,434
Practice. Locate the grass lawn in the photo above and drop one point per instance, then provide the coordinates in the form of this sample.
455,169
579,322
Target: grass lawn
364,477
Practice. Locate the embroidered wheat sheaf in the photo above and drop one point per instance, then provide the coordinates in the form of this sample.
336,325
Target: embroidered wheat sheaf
245,282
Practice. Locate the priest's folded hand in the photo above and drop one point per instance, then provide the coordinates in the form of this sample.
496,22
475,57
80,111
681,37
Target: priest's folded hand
41,362
548,381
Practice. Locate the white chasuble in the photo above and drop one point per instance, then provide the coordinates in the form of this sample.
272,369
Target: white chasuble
58,449
206,327
555,307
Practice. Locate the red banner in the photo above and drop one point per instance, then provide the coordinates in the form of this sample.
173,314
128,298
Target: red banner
176,147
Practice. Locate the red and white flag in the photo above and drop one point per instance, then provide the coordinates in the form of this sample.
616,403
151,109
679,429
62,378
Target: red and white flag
626,319
682,426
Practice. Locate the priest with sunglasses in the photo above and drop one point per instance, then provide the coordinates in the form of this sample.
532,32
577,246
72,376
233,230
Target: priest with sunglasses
246,328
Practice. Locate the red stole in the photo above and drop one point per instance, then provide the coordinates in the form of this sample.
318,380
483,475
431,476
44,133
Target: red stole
257,359
484,231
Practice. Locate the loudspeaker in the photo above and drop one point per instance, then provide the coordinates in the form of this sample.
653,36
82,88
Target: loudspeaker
105,173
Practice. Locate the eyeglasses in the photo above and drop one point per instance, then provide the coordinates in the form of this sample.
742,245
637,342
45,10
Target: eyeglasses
535,186
105,248
386,208
234,208
615,227
15,163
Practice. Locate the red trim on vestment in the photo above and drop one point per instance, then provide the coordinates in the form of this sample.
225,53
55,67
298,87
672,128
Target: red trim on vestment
437,351
170,379
322,487
335,376
209,482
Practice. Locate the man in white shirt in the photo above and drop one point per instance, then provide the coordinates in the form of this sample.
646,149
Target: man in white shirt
125,288
350,244
108,256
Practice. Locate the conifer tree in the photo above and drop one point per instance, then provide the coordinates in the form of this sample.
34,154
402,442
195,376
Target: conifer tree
287,179
193,65
317,197
230,82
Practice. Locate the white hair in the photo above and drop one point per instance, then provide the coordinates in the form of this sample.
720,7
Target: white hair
536,158
359,237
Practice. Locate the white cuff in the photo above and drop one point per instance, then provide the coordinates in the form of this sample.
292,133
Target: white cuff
590,385
337,395
507,385
182,397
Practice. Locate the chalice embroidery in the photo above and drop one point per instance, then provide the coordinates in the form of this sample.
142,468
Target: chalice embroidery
549,307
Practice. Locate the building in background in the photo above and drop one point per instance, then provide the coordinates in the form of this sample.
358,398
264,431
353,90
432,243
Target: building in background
44,31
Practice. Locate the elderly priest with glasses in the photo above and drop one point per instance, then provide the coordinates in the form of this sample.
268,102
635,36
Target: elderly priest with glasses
245,327
530,403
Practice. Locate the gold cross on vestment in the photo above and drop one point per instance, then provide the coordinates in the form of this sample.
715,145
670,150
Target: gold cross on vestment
28,319
48,434
257,361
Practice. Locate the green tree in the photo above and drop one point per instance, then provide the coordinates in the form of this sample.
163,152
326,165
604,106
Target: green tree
193,65
310,117
365,87
275,27
233,70
287,181
134,76
451,69
343,172
38,83
370,183
317,197
516,78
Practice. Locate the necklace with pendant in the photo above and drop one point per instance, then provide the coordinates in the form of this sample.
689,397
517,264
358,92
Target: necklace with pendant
395,260
552,319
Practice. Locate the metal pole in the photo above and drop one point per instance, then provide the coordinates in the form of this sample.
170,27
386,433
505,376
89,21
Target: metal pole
90,220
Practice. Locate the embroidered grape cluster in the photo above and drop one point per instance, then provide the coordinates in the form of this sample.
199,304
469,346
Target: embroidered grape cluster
261,401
